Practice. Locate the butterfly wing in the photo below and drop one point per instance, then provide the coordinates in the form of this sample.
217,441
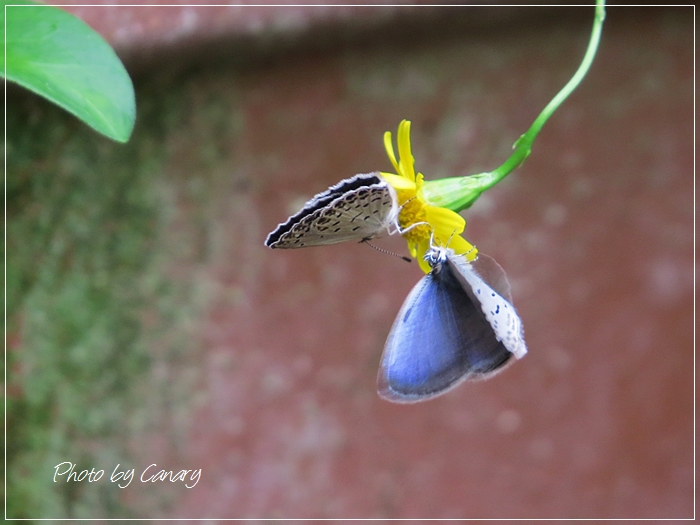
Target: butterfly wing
491,273
495,301
354,209
439,338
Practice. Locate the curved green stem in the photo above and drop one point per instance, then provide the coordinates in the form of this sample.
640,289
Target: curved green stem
458,193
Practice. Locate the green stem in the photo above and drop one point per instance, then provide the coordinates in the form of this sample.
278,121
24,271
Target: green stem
458,193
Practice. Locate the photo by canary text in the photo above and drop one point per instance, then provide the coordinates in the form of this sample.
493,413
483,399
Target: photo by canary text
69,472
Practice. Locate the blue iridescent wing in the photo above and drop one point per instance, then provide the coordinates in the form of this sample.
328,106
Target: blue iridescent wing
439,338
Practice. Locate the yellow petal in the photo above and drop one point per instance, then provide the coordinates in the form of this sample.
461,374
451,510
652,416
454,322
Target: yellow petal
389,147
405,156
422,249
445,223
399,183
419,185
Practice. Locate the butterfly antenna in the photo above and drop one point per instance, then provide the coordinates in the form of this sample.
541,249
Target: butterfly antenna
382,250
465,254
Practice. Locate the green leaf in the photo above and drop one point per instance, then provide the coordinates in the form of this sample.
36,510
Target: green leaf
59,57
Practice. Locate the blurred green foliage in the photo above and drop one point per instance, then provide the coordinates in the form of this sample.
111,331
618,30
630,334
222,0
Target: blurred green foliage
83,280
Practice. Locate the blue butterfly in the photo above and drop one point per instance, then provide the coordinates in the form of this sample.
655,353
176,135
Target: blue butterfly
453,327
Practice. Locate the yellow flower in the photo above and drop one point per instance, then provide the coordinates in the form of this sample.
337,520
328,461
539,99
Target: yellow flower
418,219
